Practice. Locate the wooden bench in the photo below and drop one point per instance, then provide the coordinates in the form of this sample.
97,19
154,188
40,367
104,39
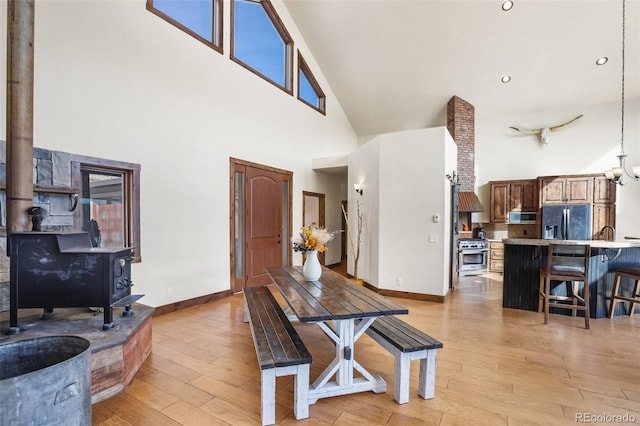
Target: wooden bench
407,343
280,352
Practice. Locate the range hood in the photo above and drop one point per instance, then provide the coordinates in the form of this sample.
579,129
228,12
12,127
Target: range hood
469,202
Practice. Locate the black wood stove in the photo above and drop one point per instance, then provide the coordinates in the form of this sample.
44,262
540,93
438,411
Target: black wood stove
62,270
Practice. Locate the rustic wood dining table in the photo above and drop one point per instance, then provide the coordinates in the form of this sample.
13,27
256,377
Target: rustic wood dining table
344,311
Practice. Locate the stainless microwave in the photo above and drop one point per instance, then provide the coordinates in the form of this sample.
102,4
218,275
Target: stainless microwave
523,217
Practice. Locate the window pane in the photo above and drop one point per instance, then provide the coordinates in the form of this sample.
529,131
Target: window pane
201,19
103,208
257,43
286,248
239,223
197,15
309,90
306,90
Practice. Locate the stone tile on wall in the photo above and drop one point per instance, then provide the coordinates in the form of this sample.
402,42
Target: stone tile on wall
44,172
59,205
61,168
41,154
49,168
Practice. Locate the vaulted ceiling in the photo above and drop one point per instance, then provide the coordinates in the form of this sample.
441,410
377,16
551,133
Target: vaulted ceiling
394,64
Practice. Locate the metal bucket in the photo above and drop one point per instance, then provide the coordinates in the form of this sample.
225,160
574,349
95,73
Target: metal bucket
46,381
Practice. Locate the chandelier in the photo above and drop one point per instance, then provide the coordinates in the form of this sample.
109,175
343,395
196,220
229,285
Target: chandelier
617,173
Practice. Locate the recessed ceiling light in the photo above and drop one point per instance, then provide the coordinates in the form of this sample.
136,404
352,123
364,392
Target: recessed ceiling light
602,60
507,5
505,78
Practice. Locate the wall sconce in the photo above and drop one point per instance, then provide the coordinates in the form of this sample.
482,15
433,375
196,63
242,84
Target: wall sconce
453,178
358,188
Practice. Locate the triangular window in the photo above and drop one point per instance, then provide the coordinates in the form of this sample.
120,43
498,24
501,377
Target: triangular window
309,90
201,19
260,42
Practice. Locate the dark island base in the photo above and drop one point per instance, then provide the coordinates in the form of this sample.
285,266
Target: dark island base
522,265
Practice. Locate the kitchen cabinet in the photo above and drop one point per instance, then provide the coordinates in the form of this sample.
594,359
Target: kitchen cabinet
496,257
523,196
566,190
604,207
603,214
604,191
499,199
512,196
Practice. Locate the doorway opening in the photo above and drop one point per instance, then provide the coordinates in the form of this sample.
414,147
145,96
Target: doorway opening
313,211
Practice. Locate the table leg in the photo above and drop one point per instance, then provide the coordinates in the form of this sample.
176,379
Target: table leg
344,364
344,352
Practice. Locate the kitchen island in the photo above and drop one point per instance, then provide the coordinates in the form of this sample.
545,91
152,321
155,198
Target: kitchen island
523,259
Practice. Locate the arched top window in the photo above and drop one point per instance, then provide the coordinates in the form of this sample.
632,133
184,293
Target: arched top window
261,43
201,19
309,90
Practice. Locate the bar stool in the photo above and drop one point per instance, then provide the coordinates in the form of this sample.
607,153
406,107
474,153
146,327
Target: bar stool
569,264
633,274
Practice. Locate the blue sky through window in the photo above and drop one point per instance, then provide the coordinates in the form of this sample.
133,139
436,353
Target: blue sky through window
306,90
259,42
256,41
197,15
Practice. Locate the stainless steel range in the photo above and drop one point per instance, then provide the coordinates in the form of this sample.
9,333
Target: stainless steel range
473,256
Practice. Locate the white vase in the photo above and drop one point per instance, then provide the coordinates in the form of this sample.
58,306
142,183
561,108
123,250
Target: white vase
311,268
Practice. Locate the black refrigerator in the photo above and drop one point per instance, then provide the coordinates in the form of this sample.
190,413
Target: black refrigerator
566,222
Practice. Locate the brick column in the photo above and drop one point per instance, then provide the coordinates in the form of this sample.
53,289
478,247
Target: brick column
461,126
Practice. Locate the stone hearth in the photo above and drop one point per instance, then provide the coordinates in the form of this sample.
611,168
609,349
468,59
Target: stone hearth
116,355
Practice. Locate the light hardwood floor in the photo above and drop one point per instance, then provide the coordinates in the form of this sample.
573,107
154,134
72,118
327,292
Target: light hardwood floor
498,367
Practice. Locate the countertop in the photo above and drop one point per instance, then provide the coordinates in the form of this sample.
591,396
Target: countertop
593,243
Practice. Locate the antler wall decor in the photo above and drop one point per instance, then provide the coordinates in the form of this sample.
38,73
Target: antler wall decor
545,133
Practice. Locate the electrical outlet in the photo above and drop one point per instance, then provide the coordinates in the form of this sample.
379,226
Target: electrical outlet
433,238
399,282
169,292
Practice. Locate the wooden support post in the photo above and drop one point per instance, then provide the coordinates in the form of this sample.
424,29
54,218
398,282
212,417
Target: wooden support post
20,48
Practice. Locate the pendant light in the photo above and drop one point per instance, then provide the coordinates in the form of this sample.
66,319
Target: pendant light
616,174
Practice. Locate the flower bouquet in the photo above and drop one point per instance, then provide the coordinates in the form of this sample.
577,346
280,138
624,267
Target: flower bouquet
311,241
312,238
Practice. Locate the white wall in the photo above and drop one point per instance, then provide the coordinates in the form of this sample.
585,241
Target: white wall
112,80
589,145
364,168
404,181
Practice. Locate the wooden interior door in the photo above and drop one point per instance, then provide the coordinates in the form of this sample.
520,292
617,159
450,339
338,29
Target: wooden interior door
260,221
263,224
